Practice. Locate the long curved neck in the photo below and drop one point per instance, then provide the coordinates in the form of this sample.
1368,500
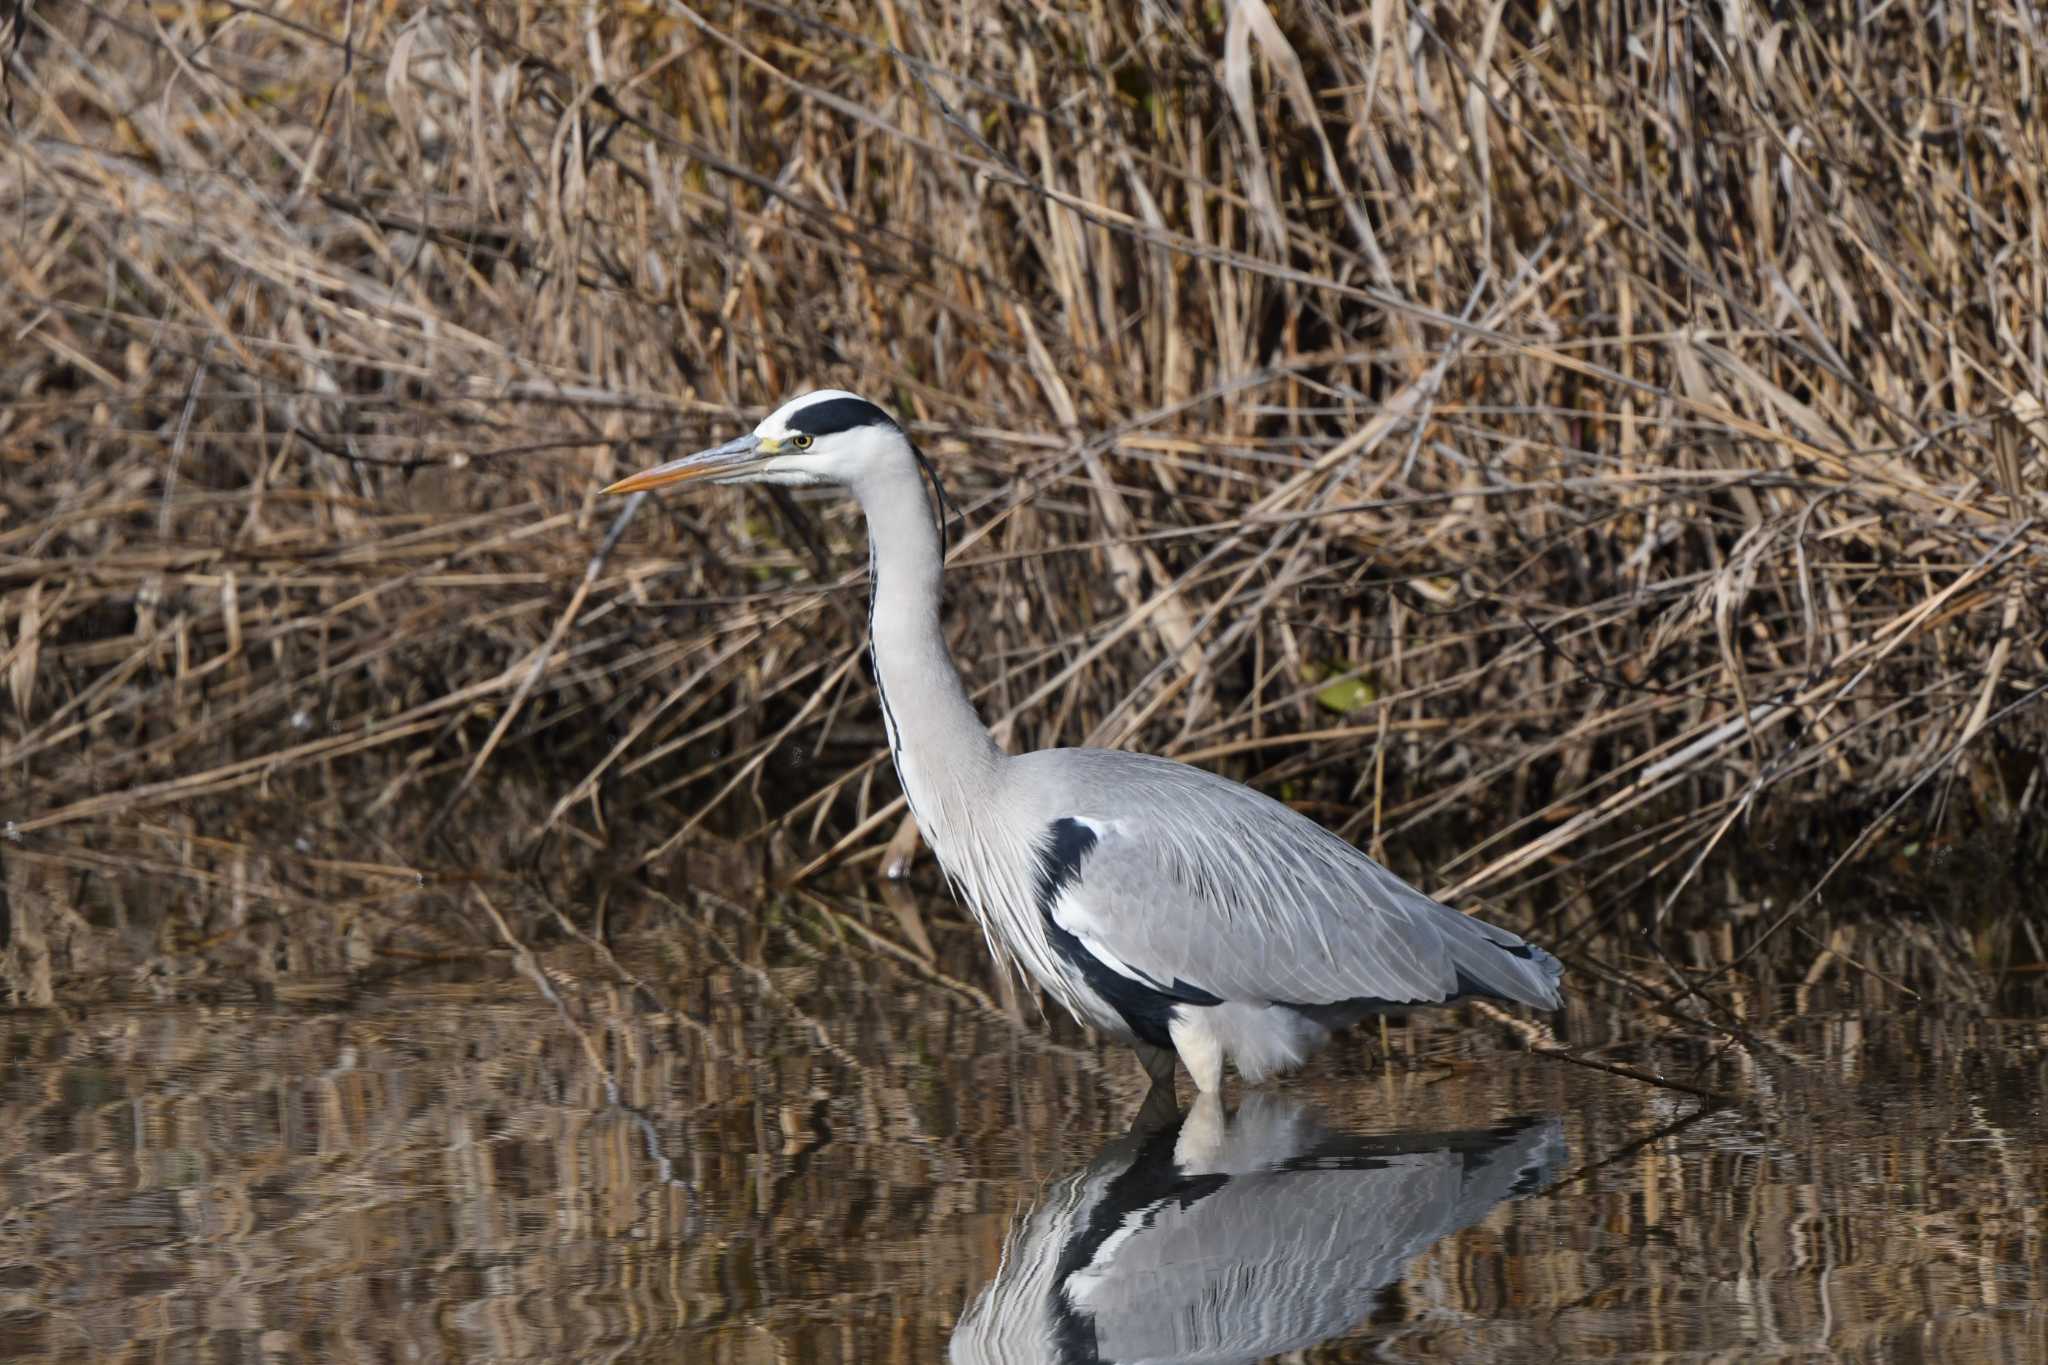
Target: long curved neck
944,754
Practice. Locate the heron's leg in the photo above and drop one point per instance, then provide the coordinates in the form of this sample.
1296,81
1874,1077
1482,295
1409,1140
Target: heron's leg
1375,1046
1201,1051
1158,1063
1159,1112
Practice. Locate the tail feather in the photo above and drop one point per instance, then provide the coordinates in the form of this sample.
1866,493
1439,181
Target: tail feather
1494,962
1485,959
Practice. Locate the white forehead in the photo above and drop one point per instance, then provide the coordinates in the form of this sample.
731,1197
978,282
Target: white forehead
784,420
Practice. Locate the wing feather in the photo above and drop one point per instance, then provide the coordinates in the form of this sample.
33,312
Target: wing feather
1194,878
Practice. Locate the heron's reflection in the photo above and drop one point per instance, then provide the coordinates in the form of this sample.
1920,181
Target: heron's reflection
1196,1237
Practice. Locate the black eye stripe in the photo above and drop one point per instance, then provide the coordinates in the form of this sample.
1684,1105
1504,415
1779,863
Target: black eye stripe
836,415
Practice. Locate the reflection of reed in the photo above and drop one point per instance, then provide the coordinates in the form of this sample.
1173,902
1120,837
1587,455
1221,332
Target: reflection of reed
1205,1238
520,1178
1718,494
443,1174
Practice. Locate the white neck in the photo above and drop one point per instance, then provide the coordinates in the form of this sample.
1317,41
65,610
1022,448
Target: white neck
944,755
952,771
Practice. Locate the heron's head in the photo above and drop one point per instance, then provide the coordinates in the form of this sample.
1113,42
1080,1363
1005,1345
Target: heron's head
826,437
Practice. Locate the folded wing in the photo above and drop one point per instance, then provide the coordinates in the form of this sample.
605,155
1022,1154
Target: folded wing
1177,877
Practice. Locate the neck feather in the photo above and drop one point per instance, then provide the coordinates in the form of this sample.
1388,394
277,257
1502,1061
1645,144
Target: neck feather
944,754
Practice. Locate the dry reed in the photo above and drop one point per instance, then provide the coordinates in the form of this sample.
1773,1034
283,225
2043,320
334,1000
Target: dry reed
1609,425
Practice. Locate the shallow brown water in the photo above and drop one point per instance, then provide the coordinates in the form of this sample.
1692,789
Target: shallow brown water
833,1154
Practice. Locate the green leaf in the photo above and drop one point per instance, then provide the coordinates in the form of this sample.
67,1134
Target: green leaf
1347,695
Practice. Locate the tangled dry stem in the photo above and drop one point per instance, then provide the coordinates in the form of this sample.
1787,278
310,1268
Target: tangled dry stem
1606,419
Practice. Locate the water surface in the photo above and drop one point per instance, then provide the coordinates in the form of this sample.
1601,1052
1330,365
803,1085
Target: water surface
824,1151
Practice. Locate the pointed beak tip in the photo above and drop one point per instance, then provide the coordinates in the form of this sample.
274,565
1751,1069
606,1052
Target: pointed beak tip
632,483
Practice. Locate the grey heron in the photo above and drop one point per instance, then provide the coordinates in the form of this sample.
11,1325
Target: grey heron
1237,1240
1166,906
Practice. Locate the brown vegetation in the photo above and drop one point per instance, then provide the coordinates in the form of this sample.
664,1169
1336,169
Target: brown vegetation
1599,423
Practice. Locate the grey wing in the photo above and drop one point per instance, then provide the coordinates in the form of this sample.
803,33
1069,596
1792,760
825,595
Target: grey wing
1192,883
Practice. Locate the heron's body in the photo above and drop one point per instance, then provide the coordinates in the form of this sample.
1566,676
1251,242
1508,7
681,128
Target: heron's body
1168,907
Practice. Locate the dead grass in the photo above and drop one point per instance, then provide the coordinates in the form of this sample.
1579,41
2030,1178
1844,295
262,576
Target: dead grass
1605,426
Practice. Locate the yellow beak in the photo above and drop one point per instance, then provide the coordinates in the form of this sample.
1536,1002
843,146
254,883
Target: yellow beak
729,463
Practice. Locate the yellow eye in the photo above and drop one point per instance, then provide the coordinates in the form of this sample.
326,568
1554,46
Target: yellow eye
801,442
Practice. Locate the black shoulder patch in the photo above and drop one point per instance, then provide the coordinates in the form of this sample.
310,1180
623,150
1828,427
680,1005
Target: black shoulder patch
1146,1005
837,414
1059,862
